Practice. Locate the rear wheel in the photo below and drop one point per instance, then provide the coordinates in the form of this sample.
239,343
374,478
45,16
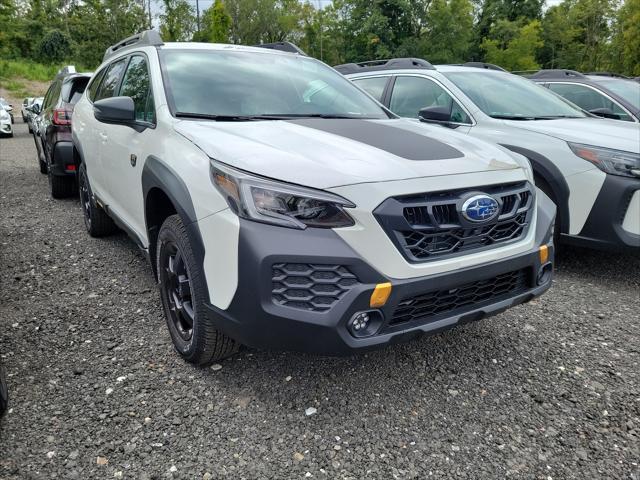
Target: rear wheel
183,293
96,220
61,186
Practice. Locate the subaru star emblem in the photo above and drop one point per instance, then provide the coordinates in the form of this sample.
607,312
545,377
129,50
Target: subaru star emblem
480,208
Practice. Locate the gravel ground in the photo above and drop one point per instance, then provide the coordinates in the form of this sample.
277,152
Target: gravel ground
547,390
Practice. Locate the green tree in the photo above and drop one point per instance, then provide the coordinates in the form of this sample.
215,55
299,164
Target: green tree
54,47
560,35
447,36
216,24
178,21
626,42
516,49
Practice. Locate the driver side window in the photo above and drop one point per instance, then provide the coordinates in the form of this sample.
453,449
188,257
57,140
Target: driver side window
588,98
410,94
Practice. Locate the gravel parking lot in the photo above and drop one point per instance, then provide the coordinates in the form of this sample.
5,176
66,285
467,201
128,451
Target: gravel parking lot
548,390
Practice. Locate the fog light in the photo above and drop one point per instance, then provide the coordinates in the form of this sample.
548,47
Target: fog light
365,324
544,274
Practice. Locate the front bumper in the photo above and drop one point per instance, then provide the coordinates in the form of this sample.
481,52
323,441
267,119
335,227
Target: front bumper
614,220
255,319
5,128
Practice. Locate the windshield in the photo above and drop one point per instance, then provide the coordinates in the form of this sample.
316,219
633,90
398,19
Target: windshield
232,83
627,89
512,97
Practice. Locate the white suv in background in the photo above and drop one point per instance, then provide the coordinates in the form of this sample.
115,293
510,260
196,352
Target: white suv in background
590,167
282,207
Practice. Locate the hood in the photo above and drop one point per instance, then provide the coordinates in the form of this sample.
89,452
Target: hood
590,131
325,153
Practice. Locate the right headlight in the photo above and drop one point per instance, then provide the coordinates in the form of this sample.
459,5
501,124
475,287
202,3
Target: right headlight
615,162
278,203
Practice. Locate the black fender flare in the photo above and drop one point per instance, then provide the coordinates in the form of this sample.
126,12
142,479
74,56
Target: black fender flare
157,174
551,174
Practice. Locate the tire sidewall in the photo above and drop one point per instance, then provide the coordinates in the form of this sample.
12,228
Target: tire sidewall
83,179
173,230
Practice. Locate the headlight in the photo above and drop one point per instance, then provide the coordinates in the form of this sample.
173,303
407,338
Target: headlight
277,203
4,115
615,162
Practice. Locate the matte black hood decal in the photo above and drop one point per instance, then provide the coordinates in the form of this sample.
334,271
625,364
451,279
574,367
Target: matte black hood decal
397,141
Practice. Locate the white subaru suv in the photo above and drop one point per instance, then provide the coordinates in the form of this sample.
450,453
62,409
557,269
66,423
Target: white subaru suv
589,166
282,207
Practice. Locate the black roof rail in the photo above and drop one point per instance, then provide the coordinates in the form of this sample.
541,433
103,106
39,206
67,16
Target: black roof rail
142,39
389,64
283,47
486,66
608,74
556,73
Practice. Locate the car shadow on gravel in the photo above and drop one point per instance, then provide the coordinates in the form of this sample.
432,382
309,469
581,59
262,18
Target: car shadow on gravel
616,266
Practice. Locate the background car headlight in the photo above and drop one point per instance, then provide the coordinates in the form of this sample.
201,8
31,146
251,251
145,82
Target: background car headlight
4,115
279,203
615,162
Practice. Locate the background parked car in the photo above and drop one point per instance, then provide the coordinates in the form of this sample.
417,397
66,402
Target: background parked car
7,107
53,134
590,167
6,130
603,94
25,103
31,114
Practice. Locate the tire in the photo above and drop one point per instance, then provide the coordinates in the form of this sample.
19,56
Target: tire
43,167
62,186
4,391
183,293
30,130
96,220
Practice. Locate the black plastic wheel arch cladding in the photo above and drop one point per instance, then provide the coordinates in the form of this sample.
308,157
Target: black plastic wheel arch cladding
159,179
545,168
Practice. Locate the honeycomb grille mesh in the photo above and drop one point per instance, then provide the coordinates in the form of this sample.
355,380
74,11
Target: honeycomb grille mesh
465,297
310,287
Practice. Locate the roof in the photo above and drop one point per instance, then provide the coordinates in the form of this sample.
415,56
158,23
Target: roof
387,64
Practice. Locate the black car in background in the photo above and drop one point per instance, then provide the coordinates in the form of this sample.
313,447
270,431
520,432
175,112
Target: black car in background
53,134
604,94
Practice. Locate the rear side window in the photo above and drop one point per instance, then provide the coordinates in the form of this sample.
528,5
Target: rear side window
52,95
588,98
95,83
373,86
73,89
136,85
111,80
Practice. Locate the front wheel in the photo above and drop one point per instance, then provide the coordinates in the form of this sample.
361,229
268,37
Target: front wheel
183,293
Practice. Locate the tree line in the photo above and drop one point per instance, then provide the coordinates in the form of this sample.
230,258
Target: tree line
586,35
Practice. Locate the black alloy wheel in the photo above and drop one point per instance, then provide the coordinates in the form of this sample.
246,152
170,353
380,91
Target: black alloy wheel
177,290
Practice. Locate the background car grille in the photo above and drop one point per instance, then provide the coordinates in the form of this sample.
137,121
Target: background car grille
429,226
465,297
309,286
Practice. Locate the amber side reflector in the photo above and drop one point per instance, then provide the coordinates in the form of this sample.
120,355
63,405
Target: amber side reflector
380,295
544,254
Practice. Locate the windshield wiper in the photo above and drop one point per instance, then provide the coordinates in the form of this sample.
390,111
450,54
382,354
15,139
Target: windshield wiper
275,116
540,117
218,118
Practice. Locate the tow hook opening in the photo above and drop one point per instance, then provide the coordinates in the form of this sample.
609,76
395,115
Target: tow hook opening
544,273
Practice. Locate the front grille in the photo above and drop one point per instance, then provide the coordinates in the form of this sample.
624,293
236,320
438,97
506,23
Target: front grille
456,300
429,226
310,287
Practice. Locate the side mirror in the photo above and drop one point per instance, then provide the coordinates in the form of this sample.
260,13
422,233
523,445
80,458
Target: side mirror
115,110
436,114
35,108
605,113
